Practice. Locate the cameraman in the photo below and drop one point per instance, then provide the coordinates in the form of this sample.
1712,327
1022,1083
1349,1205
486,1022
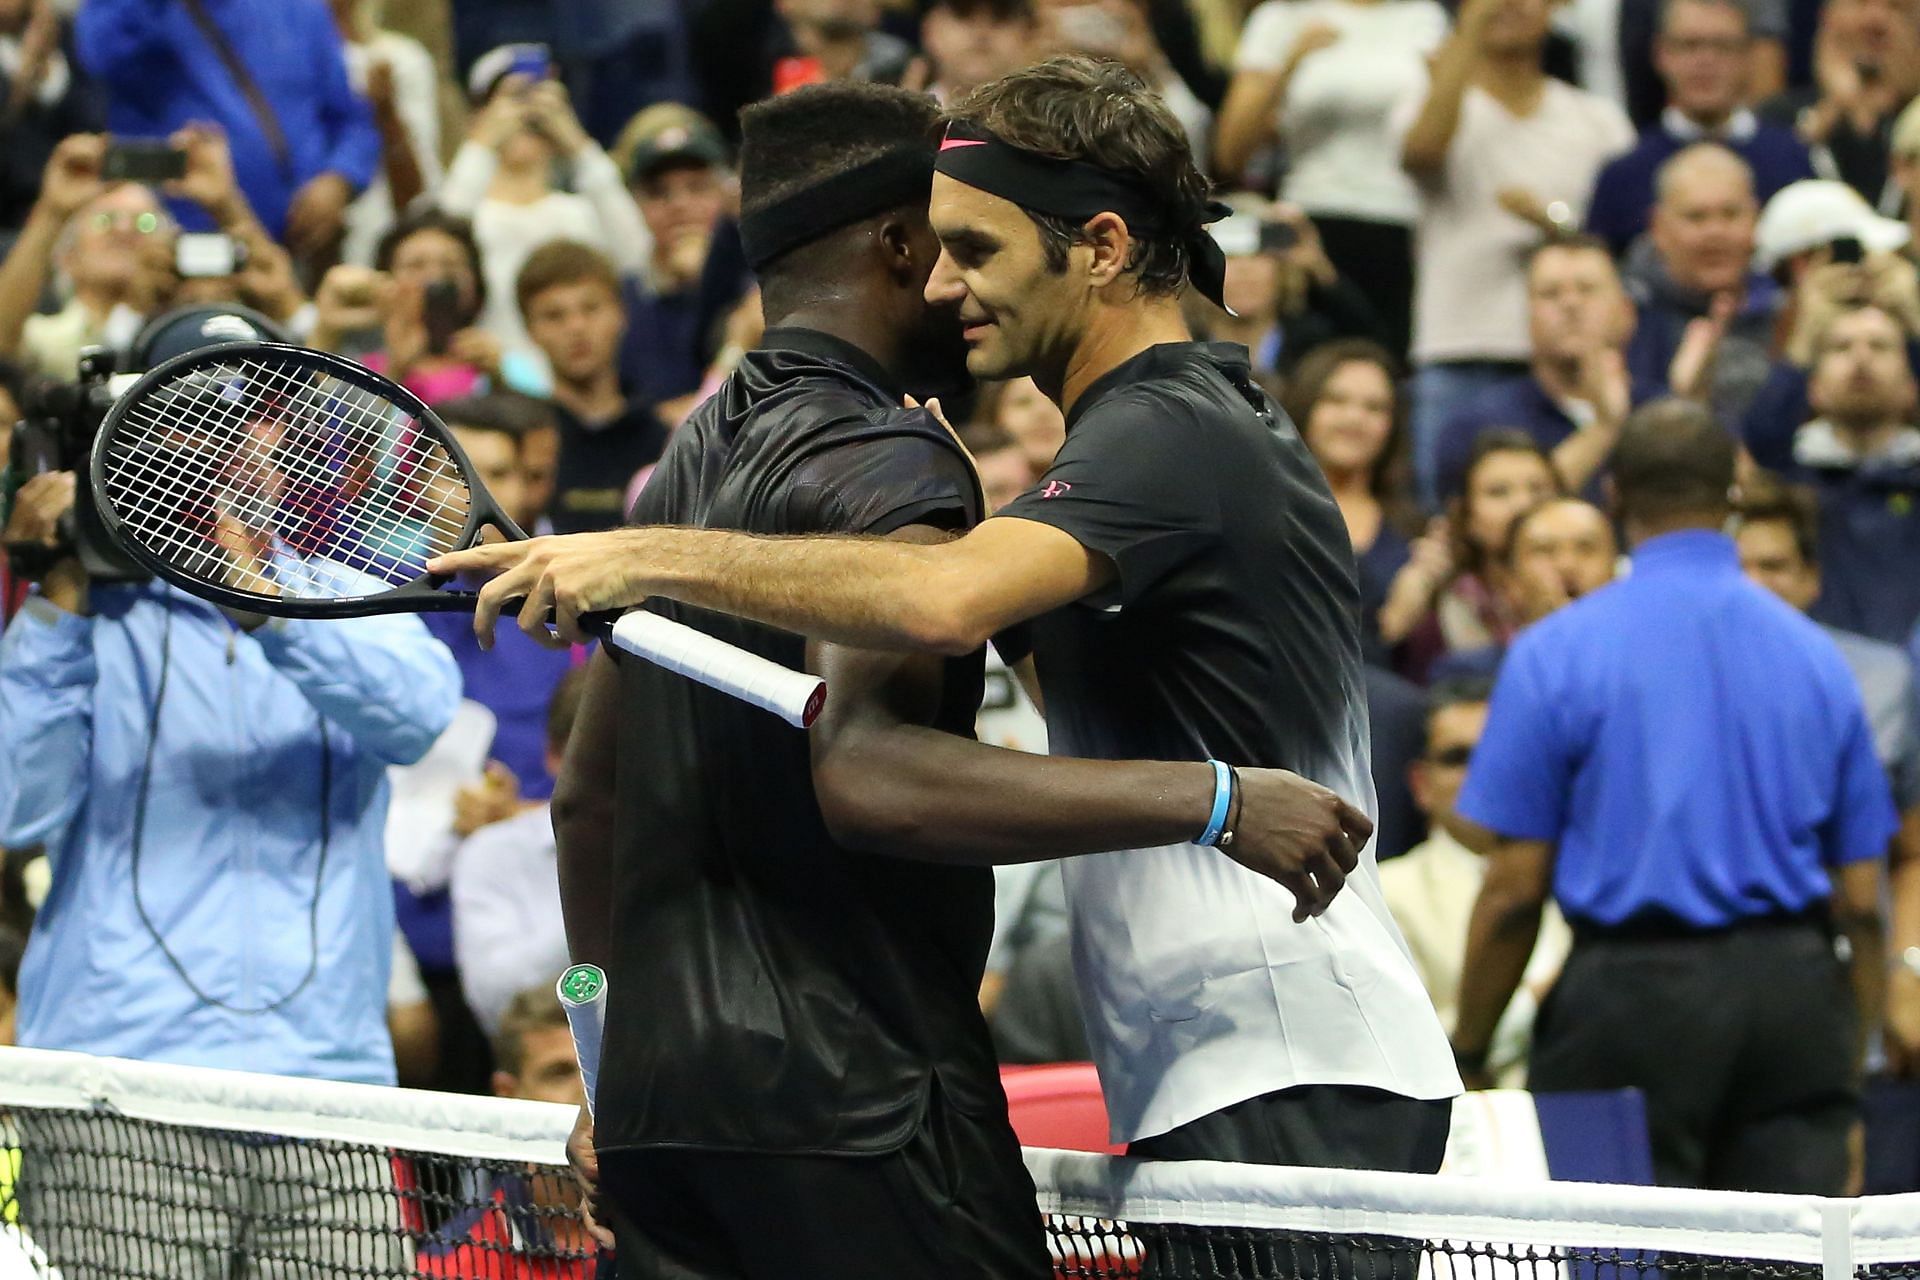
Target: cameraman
211,789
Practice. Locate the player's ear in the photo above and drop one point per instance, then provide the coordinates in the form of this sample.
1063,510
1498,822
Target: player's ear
901,251
1112,245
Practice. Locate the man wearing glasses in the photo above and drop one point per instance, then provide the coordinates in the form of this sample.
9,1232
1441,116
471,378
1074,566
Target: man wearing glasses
1431,888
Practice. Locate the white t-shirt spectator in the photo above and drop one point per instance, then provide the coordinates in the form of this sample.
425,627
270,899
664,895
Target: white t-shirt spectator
1337,120
507,930
416,99
1470,289
599,211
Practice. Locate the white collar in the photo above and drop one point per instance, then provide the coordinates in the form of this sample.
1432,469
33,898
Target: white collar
1740,126
1820,444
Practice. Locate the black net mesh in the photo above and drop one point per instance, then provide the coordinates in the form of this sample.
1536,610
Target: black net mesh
91,1194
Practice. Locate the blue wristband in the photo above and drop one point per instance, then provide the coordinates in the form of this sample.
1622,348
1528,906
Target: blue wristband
1222,801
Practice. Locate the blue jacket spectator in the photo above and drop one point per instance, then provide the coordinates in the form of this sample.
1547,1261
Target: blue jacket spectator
162,72
1705,58
213,803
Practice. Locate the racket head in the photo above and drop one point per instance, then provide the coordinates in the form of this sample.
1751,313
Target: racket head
279,480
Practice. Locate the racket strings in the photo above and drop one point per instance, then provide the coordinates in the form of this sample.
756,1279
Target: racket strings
242,470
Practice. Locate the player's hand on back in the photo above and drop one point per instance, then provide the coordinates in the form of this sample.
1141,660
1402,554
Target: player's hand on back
1298,834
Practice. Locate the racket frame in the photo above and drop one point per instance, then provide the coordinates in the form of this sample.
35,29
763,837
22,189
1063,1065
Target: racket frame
424,594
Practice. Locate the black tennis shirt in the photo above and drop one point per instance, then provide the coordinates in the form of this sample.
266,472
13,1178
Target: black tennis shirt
1232,627
771,991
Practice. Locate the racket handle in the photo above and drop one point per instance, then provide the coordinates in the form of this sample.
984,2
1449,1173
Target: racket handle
583,994
794,696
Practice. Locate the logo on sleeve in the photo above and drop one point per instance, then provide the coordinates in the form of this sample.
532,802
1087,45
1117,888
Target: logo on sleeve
1055,488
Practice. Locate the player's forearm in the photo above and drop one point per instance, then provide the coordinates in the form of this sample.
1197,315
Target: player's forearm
919,793
868,592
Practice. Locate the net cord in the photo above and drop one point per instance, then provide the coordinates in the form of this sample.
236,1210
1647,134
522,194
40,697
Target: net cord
1837,1235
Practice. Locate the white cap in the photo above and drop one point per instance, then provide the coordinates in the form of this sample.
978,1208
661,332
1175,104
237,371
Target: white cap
1812,212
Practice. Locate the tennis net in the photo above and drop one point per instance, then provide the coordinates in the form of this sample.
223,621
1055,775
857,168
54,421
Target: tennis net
114,1169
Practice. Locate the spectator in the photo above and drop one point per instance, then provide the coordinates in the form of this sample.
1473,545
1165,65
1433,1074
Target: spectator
1396,724
118,252
997,456
1033,420
1706,319
1324,78
1502,155
679,177
1806,236
43,98
273,79
969,42
506,889
1682,763
1617,49
746,50
1576,391
514,681
1778,536
570,297
1345,401
211,787
1432,888
1507,474
426,339
1861,457
93,234
396,75
1866,68
1285,299
1705,56
502,178
530,1228
1556,553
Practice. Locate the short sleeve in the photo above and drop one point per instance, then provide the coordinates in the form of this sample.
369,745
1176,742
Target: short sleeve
1522,771
1134,486
1863,821
1268,37
878,482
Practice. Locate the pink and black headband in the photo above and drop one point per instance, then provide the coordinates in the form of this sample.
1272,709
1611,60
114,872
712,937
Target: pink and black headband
1078,190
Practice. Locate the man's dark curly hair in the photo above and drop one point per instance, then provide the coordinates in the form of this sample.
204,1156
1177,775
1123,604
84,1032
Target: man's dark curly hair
1077,108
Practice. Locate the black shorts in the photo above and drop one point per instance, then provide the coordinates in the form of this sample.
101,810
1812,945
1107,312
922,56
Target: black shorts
955,1203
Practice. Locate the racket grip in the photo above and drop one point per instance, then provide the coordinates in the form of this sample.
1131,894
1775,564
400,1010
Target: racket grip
794,696
583,994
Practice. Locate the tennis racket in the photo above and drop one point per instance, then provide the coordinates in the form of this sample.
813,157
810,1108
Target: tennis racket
282,481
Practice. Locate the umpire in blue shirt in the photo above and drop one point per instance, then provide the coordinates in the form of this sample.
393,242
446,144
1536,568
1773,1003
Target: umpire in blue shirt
1682,761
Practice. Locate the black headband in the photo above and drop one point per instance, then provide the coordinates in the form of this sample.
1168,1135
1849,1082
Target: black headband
1078,190
893,178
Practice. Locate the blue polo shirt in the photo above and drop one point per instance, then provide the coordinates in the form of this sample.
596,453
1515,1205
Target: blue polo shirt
1695,747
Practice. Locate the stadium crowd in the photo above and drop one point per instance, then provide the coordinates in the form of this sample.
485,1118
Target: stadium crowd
1467,245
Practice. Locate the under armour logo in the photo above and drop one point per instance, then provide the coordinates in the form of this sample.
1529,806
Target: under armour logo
1055,488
